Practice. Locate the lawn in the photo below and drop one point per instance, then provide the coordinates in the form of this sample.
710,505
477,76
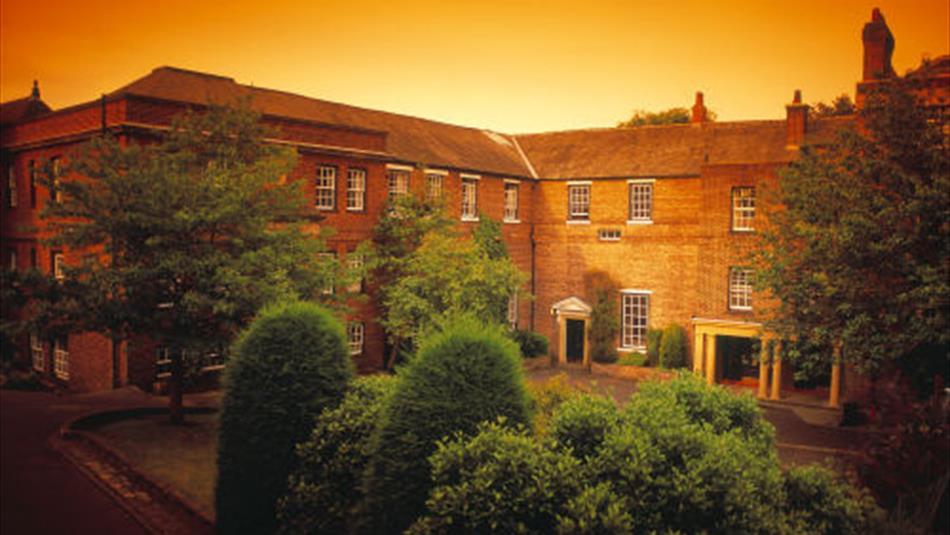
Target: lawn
182,458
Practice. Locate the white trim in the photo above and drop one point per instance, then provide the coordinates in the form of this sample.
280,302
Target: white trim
469,218
580,182
713,321
511,221
467,176
436,172
641,181
399,167
635,291
578,221
639,221
512,181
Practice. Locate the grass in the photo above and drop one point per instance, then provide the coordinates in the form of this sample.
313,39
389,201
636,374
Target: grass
183,458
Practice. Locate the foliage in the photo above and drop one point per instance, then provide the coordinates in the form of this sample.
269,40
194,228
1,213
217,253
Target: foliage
819,501
581,423
633,359
858,253
325,486
654,337
604,326
487,235
289,365
192,234
673,349
596,510
546,396
841,105
670,116
532,344
499,481
467,373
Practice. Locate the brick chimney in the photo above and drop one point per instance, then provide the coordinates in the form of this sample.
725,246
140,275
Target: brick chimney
699,110
796,121
878,48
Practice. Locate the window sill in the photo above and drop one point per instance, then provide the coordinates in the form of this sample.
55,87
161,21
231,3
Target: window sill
578,221
511,221
740,309
639,221
469,219
743,230
632,349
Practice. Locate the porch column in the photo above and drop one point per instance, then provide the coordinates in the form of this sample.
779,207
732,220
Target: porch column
777,372
698,352
834,392
586,343
710,358
764,358
561,340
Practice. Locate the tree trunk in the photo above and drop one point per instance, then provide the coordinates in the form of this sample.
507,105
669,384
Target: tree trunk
175,410
393,353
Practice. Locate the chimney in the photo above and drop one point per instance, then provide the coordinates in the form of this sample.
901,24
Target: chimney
796,122
35,94
699,110
878,48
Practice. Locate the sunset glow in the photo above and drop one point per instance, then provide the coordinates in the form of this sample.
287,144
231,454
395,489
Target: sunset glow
513,66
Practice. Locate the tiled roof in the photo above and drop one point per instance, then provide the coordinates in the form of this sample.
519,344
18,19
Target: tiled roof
408,138
20,109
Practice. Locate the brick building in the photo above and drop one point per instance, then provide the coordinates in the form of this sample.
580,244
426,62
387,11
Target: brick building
667,212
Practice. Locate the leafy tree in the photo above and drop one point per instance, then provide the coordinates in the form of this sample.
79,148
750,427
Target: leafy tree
184,238
673,349
841,105
670,116
604,324
858,252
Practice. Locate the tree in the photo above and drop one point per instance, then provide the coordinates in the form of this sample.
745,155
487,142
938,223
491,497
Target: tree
856,248
670,116
185,238
841,105
604,324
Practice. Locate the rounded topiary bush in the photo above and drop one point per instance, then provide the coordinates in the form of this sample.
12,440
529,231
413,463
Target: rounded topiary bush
532,343
289,365
325,486
466,374
581,424
673,350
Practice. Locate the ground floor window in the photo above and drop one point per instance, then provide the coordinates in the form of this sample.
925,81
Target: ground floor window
634,318
61,357
37,352
740,288
355,336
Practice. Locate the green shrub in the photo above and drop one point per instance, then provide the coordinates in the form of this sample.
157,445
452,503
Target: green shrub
673,350
818,501
604,326
466,374
633,359
499,481
654,336
596,510
532,344
581,424
325,486
289,365
546,396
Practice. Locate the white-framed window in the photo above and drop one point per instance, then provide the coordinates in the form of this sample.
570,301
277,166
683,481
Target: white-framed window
12,193
609,234
326,187
634,319
435,185
743,208
354,264
640,202
578,201
397,183
163,362
355,331
56,193
511,202
469,198
329,267
61,357
741,281
37,352
58,261
355,189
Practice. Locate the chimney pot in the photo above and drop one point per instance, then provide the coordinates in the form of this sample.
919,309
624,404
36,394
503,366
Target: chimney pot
35,94
700,114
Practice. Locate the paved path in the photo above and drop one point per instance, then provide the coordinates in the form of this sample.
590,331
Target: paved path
40,492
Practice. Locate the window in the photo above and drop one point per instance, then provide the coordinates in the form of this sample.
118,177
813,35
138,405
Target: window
355,190
469,198
741,281
641,202
12,194
511,202
354,263
328,261
57,262
61,357
32,171
634,317
513,310
578,202
435,186
55,193
609,234
354,337
743,208
397,182
326,187
37,352
163,362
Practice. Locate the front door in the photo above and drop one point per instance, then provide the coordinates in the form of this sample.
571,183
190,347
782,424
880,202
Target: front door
575,340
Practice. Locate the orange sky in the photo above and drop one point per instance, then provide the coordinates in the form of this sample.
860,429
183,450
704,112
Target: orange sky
513,66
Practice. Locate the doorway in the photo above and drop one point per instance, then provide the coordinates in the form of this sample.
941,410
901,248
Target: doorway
738,357
575,340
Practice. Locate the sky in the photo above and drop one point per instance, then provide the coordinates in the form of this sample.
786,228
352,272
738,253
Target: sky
512,66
